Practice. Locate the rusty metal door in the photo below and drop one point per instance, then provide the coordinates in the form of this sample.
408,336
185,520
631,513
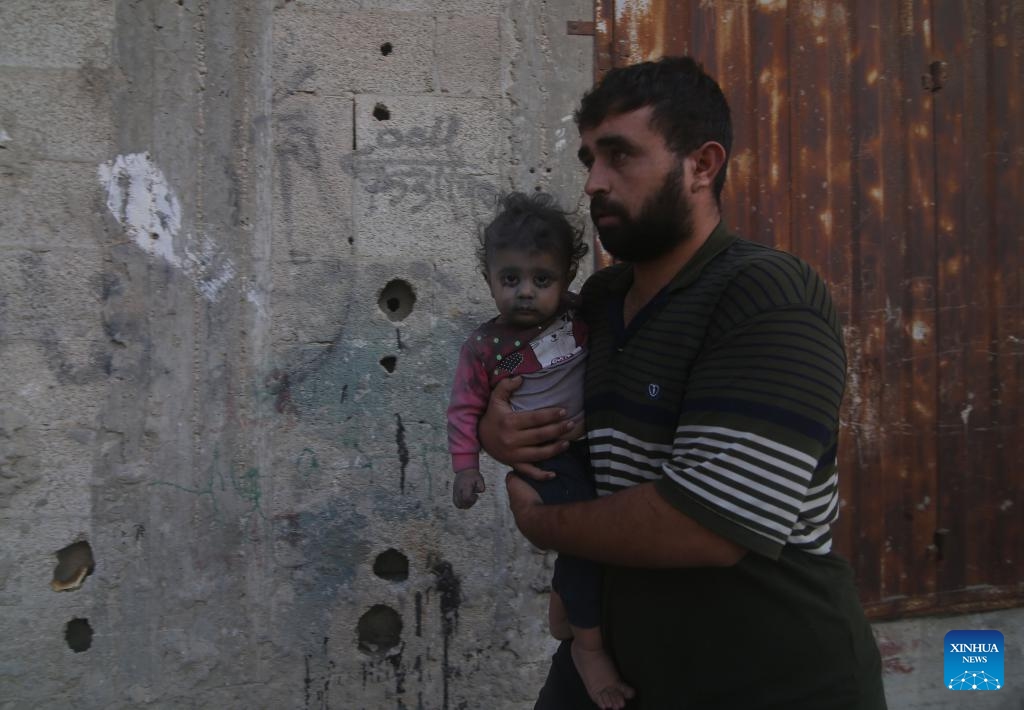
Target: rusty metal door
883,142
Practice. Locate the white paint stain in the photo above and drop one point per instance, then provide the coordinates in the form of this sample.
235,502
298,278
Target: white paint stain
818,13
4,137
965,413
633,7
560,144
893,315
140,199
210,278
920,331
566,118
256,299
145,205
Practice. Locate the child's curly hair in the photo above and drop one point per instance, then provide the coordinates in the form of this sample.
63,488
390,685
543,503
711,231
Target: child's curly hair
532,222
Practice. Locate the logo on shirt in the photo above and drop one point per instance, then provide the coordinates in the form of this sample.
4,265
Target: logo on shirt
973,660
653,390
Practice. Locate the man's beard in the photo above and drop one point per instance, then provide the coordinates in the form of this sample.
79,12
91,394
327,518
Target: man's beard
664,222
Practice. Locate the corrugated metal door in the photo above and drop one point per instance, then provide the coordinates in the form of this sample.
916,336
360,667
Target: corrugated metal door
884,143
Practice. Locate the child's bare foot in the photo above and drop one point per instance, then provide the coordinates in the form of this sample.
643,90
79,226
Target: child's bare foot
602,681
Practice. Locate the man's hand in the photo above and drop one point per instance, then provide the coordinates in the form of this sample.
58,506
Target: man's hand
526,506
467,487
520,438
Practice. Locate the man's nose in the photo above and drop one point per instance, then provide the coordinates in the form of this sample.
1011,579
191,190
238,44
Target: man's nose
597,181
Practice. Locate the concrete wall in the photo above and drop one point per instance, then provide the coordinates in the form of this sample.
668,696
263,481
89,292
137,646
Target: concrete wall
206,380
236,262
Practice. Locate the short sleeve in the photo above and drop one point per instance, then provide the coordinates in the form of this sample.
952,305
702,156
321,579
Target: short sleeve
757,428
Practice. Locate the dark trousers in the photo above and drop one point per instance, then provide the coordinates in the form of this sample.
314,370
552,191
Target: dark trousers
577,581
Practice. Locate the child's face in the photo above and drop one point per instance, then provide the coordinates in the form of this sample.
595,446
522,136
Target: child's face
527,286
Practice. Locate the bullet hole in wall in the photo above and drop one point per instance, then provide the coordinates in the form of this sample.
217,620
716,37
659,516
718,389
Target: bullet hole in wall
78,634
381,112
391,565
379,630
74,564
386,48
396,299
388,362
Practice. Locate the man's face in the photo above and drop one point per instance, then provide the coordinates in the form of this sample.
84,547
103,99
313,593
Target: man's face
636,187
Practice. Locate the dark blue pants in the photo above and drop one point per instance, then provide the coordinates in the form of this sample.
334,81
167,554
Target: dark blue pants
577,581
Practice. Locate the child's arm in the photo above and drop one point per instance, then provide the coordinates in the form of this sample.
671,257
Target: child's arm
470,391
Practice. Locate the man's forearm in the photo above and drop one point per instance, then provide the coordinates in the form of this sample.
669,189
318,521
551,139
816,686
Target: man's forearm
635,527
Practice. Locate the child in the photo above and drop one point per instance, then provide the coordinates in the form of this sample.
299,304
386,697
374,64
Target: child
529,255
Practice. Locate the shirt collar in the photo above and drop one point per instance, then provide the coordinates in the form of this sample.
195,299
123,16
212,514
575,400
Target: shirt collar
718,241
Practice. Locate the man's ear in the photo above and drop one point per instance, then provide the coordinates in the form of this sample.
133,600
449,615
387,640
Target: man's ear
708,160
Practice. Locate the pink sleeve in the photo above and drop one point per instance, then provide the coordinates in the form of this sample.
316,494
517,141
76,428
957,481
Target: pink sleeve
470,393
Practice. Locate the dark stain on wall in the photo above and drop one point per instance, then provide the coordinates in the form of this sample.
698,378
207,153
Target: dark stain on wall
329,549
419,613
318,678
449,590
403,450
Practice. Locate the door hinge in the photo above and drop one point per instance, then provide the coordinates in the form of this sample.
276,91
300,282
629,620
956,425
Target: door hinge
579,27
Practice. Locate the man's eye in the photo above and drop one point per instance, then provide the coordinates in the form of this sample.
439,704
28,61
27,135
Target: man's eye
618,157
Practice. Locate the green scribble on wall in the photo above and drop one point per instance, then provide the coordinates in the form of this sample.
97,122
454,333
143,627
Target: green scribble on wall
244,485
307,463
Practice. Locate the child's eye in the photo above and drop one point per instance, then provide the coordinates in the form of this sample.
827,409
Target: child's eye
509,280
542,281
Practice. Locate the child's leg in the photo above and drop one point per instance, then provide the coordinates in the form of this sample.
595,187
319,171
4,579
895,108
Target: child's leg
558,618
602,681
576,589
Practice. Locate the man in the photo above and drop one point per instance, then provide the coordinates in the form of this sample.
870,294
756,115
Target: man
713,389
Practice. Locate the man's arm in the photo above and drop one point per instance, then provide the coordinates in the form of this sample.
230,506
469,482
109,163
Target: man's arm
519,439
635,527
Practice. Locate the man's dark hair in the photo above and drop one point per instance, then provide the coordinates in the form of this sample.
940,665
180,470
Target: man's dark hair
689,106
532,222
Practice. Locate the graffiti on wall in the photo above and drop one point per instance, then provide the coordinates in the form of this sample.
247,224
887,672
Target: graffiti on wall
420,166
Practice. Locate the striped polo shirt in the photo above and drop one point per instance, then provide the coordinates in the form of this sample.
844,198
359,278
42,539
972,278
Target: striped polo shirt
724,391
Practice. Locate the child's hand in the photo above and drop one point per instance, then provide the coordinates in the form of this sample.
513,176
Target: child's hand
468,484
